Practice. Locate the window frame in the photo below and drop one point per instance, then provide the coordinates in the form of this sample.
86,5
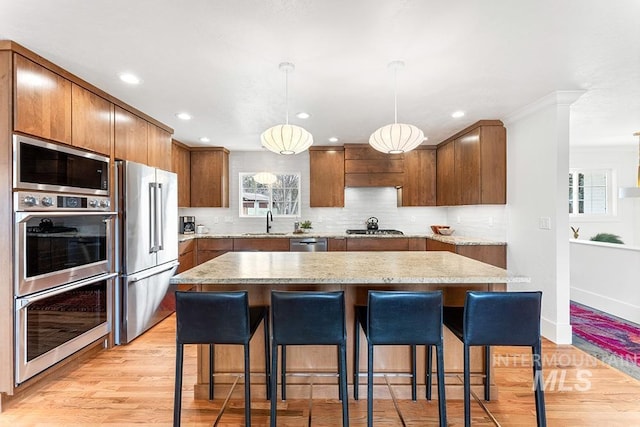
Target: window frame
270,201
610,198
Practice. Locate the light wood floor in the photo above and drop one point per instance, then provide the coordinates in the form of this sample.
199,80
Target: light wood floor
133,384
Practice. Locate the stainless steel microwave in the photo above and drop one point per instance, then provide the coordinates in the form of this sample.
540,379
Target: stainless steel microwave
45,166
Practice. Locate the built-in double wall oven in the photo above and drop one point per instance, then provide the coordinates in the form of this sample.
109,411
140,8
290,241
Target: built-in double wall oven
63,266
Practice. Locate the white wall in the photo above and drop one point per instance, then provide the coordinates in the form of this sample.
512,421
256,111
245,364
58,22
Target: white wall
360,203
622,160
605,276
538,166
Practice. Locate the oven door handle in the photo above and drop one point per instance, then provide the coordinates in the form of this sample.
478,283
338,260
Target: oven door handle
22,302
25,216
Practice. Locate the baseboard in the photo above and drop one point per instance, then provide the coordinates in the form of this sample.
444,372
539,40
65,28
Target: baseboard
609,305
555,332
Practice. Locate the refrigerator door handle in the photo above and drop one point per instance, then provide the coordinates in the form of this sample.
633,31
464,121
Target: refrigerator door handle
159,217
152,272
152,219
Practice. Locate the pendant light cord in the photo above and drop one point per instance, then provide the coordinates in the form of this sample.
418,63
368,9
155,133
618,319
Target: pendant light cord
395,94
286,94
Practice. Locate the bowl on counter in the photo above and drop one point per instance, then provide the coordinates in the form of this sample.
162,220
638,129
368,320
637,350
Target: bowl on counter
445,231
437,229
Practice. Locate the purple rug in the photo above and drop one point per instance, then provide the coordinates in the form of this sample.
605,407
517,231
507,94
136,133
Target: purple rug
610,333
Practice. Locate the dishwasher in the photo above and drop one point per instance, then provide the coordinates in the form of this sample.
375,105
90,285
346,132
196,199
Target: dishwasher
310,244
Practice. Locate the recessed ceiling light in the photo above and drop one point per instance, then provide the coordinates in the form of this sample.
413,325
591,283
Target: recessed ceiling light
303,115
457,114
333,139
183,116
204,139
132,79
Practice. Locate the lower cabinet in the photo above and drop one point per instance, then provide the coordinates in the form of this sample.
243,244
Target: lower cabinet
211,248
261,244
336,244
490,254
386,244
186,255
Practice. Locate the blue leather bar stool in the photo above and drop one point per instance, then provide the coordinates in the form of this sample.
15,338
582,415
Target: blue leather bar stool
309,318
218,318
401,318
499,318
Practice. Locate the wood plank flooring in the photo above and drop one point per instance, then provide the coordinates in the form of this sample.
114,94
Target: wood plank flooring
133,385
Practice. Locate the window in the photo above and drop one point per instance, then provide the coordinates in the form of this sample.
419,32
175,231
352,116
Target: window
590,192
282,197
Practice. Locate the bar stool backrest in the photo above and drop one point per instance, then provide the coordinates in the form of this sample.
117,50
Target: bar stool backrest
502,318
300,318
212,317
397,317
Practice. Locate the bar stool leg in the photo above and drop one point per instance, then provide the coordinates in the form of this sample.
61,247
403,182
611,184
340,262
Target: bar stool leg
283,373
369,385
343,384
413,374
356,357
442,401
467,388
538,384
212,356
267,368
177,398
247,387
428,377
487,373
339,373
274,384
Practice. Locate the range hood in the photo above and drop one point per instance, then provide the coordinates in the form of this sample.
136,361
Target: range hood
628,192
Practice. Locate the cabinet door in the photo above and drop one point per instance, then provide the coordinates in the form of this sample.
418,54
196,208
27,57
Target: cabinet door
158,147
467,168
337,244
326,168
378,244
130,136
210,178
181,165
212,248
419,187
186,255
493,154
42,102
92,118
261,244
445,175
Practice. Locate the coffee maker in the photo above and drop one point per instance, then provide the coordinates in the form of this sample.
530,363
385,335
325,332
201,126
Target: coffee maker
187,225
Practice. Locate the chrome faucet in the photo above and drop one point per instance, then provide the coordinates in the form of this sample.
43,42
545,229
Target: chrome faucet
269,214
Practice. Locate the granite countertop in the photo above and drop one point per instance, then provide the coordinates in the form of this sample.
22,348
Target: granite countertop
345,268
454,240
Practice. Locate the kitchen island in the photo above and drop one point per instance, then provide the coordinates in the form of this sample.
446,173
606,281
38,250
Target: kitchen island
354,273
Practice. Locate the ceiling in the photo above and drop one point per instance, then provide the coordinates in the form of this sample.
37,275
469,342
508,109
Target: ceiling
218,60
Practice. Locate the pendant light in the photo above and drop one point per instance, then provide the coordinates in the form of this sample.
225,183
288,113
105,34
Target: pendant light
286,138
396,138
265,178
625,192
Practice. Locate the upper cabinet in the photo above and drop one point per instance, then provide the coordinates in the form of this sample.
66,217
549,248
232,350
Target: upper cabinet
326,169
472,166
158,147
91,126
181,165
366,167
130,136
419,187
210,177
42,101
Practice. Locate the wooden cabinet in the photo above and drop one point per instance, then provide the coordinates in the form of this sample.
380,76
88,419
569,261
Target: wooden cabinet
326,169
491,254
419,187
386,244
186,255
367,167
130,136
471,166
211,248
42,101
181,165
158,147
92,122
210,177
336,244
271,244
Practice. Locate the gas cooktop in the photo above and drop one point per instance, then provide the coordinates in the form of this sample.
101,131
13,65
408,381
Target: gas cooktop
379,231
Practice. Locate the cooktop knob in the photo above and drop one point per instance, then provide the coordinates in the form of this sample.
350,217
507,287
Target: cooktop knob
105,203
46,201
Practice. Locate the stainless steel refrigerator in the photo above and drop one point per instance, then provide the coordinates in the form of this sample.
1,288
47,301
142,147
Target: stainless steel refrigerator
147,247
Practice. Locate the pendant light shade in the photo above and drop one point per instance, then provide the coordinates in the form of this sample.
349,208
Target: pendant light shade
265,178
396,138
286,138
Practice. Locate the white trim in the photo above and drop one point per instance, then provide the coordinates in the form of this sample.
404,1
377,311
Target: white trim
554,99
559,334
607,304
